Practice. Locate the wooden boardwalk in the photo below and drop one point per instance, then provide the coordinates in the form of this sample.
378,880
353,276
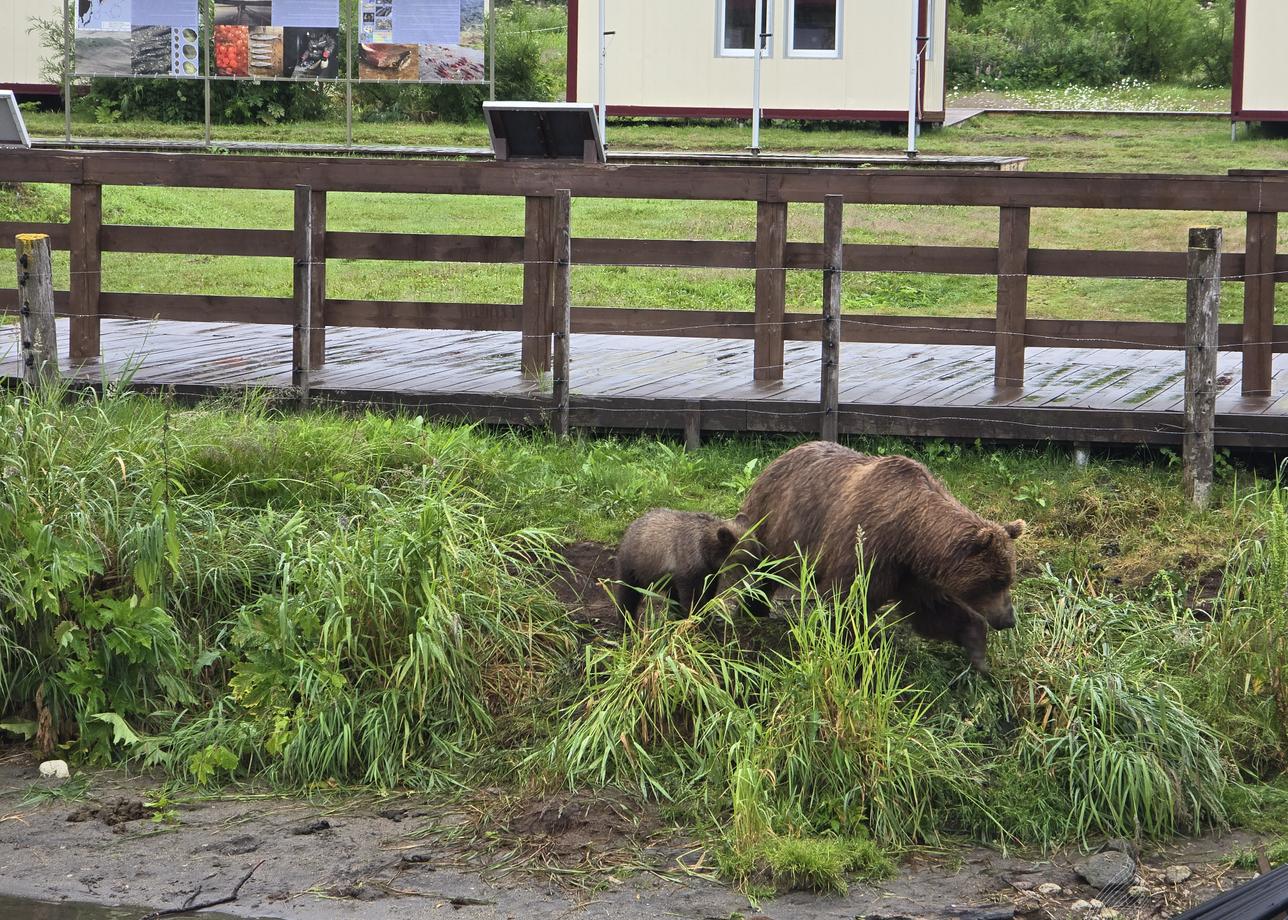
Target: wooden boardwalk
655,382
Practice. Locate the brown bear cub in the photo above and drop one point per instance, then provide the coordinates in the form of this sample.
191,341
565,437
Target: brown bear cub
688,548
949,570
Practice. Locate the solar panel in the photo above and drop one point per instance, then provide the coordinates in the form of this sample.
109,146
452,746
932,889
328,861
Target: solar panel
544,131
12,128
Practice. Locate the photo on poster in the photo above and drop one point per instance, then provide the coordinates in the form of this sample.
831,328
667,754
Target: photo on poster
152,51
102,54
266,47
311,54
186,52
232,51
388,62
459,63
174,14
243,12
103,15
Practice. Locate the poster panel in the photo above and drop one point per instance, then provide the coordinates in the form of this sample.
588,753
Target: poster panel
277,39
147,38
421,41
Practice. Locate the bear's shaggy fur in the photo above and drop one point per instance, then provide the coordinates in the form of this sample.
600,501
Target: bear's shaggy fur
949,569
687,547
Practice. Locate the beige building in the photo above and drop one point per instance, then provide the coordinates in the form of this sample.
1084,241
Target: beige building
825,59
1260,64
20,50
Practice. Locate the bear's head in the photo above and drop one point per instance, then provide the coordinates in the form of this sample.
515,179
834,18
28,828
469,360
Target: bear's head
984,571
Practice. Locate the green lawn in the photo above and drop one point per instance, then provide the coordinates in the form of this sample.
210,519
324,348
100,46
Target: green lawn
1055,144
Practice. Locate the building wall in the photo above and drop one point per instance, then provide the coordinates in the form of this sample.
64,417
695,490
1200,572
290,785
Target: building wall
20,51
1265,63
664,56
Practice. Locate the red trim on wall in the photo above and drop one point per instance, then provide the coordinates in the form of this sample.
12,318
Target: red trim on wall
33,89
573,25
1256,115
662,111
1240,33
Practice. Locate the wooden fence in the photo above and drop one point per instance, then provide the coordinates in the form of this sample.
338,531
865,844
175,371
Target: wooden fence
1013,261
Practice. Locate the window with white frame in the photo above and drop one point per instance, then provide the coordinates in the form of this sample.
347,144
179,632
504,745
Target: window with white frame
814,28
737,27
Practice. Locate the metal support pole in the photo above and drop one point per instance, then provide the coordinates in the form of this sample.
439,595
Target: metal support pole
914,77
348,80
491,49
603,70
69,34
757,52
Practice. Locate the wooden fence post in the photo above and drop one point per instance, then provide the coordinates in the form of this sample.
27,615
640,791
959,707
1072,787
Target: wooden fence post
538,254
317,327
771,289
86,270
301,339
561,294
692,424
1012,296
833,253
37,329
1202,318
1259,303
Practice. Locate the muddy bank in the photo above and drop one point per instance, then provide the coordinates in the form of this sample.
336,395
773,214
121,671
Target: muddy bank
492,856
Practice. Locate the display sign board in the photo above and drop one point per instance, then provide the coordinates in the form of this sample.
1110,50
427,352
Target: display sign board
13,130
544,131
421,41
408,41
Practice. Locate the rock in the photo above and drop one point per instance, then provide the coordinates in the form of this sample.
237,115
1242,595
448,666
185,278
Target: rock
1097,905
1109,913
1119,845
1139,893
237,846
1176,875
1022,885
1080,907
311,828
54,769
1049,889
1029,904
1107,869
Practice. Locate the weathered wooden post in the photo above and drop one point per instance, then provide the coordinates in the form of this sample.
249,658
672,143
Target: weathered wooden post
692,424
771,289
301,339
561,294
830,388
37,330
87,270
1259,303
1012,296
1202,318
538,252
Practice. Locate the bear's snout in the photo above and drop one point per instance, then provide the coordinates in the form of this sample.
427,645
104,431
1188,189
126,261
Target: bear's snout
1007,619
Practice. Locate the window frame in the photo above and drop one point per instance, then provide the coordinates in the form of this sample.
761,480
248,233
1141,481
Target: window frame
722,51
794,52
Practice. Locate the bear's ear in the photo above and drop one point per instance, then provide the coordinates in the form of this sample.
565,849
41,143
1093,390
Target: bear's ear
1015,529
982,539
726,536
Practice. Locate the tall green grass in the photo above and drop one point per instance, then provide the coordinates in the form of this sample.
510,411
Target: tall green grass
230,591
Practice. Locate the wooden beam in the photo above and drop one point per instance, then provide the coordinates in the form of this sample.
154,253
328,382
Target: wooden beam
1012,296
538,255
86,270
301,346
1259,303
771,288
561,295
830,385
37,332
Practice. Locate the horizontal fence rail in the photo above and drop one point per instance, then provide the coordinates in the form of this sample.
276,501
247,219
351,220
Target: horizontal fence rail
1259,196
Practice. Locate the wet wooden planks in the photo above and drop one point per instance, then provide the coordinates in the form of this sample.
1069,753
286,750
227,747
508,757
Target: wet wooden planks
647,382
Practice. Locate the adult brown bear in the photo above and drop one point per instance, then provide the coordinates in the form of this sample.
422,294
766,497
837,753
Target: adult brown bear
949,569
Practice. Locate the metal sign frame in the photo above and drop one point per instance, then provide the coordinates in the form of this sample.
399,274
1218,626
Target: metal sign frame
592,140
9,111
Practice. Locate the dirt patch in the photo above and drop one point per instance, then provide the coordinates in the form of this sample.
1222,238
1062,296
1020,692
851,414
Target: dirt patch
573,829
583,583
112,813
